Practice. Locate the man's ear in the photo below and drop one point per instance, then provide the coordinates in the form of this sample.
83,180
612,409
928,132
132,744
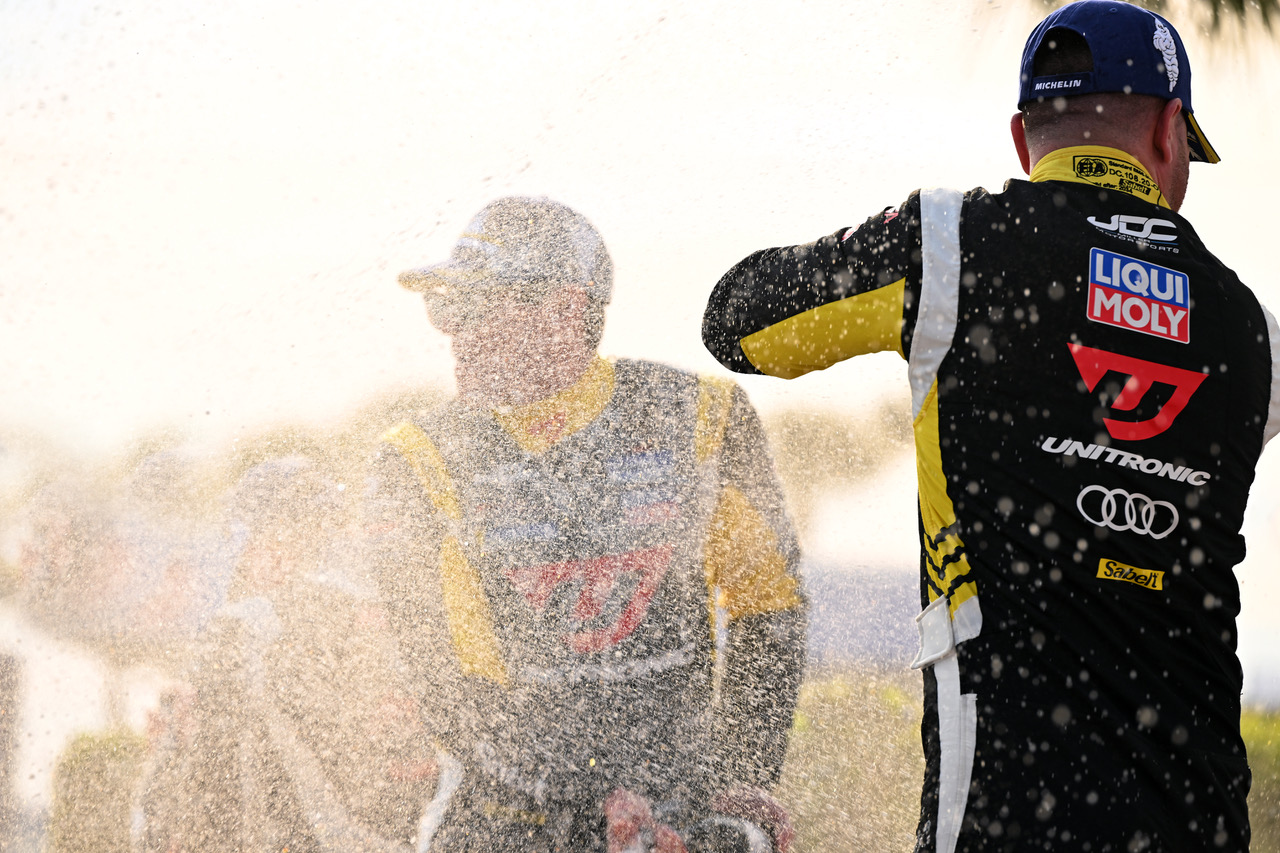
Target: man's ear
1169,125
1020,141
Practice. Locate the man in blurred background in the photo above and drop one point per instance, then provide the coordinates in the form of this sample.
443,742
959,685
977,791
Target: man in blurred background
1092,390
292,729
567,547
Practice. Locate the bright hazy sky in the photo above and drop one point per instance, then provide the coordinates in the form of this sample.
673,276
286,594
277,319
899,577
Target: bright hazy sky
205,205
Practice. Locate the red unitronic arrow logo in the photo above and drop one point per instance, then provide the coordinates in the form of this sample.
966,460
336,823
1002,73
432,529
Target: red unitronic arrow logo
598,580
1095,363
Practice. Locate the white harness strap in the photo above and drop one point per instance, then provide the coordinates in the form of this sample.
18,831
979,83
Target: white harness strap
451,774
1273,412
935,330
939,289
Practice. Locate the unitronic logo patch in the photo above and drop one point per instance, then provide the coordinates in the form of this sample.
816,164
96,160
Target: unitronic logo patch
1125,459
1094,364
1116,571
1139,295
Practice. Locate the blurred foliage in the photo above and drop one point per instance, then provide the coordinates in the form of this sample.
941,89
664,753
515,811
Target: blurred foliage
1261,730
1217,16
854,767
10,577
1241,9
343,448
69,523
29,464
818,452
10,696
852,778
93,793
160,473
1240,12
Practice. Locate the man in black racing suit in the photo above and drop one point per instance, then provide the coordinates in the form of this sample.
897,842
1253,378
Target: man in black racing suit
565,550
1091,390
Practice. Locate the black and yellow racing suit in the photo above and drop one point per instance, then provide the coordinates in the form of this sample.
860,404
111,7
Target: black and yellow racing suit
1091,391
560,577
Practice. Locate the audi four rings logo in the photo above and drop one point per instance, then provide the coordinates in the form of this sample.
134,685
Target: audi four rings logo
1121,511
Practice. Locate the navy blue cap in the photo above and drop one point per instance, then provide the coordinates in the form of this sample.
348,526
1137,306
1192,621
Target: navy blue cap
517,240
1135,51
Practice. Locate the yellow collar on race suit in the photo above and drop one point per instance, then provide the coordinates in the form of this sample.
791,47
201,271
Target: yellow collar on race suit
539,425
1109,168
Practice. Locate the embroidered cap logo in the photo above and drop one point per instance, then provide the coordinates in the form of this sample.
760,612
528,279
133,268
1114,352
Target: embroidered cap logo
1164,43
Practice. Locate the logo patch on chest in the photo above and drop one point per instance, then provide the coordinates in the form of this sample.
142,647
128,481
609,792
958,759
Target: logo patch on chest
1139,296
1116,571
651,466
613,594
650,506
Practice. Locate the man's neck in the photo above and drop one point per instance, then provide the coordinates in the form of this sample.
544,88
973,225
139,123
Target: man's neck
521,379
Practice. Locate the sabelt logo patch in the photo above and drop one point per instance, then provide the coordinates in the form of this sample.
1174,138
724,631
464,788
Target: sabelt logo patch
1139,296
1116,571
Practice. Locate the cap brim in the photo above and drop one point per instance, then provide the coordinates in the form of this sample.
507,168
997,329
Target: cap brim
1201,150
439,277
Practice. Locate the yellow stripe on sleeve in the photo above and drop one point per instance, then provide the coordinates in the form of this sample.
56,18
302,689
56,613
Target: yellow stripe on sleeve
823,336
948,566
743,561
428,464
470,622
470,625
714,398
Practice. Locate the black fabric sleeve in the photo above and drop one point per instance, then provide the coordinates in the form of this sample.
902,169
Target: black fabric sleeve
773,285
764,666
765,651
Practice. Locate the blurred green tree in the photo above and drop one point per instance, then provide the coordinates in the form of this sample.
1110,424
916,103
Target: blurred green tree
1219,16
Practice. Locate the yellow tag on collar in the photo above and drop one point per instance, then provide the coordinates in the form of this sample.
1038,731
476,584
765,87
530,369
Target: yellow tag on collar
539,425
1108,168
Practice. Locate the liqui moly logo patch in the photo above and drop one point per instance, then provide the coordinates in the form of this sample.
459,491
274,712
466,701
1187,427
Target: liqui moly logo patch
1139,296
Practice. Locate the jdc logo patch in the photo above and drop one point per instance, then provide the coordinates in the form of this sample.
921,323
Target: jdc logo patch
1139,295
